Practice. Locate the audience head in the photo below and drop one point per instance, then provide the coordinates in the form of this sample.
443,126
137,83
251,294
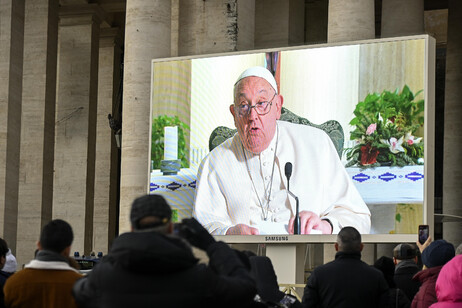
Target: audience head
404,252
3,251
151,213
56,236
349,240
437,253
11,264
387,267
459,250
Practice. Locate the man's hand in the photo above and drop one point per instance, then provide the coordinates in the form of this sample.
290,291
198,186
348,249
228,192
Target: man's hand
308,221
196,234
242,229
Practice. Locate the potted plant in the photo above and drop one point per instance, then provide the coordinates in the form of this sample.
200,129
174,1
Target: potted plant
385,127
157,144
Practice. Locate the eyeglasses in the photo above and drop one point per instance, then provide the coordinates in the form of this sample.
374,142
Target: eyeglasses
261,108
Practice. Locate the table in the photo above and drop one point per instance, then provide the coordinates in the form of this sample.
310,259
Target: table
394,196
387,185
177,189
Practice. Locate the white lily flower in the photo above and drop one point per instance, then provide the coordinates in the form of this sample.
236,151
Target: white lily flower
411,139
394,144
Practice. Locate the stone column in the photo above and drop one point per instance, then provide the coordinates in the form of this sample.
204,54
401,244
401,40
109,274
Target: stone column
38,125
147,36
215,26
402,17
106,164
73,196
350,20
279,23
11,65
316,12
452,167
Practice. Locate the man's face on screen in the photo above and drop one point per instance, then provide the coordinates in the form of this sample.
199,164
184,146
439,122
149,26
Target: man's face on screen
256,124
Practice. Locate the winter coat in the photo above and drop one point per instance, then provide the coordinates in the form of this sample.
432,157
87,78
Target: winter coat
404,271
42,284
426,294
3,277
449,285
396,298
345,282
149,269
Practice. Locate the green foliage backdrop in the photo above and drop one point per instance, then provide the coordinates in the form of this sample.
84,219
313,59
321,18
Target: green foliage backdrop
157,135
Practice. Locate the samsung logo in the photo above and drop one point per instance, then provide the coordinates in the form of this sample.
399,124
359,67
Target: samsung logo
276,238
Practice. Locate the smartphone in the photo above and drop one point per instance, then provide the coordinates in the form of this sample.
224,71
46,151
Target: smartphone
424,232
177,228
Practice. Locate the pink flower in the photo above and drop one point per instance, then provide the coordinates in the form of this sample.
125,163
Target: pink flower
371,129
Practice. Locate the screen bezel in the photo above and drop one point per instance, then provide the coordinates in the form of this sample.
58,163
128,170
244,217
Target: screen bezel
429,131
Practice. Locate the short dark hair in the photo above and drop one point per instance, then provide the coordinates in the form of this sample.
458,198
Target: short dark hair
56,236
349,240
3,248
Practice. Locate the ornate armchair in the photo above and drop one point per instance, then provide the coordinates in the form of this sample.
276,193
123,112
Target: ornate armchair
331,127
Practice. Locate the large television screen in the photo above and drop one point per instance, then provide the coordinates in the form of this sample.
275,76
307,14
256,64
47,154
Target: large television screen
380,92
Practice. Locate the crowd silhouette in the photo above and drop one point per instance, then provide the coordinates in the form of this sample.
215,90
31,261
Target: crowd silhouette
154,266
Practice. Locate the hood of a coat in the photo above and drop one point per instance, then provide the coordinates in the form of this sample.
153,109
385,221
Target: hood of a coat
151,252
448,286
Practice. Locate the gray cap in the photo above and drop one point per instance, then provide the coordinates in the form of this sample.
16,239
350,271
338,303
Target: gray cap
404,251
150,205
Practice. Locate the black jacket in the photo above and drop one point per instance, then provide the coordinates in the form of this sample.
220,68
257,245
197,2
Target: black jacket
404,271
396,299
147,269
345,282
3,277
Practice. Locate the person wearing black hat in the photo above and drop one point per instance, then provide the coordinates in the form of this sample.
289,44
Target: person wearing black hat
405,259
152,267
434,256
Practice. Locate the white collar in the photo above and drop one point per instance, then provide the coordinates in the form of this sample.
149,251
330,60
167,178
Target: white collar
50,265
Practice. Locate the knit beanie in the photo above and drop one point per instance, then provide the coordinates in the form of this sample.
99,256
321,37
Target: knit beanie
438,253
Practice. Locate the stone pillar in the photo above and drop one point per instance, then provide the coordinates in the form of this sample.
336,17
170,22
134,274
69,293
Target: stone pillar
73,196
402,17
147,36
452,167
350,20
279,23
175,29
106,164
11,65
316,12
38,125
215,26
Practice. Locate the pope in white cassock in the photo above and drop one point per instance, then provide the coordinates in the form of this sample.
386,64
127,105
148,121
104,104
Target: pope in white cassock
242,188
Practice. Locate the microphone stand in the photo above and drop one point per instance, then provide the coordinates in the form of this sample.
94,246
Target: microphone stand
297,215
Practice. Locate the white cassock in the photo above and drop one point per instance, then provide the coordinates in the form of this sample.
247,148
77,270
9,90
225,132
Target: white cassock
233,184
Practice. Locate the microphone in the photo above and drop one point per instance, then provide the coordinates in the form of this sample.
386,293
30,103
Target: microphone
288,173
